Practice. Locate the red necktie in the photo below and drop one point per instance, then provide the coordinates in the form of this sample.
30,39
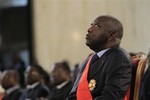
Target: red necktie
83,92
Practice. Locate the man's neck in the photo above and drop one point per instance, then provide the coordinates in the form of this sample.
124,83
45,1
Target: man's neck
100,53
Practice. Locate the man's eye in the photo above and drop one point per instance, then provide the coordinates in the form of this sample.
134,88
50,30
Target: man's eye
95,25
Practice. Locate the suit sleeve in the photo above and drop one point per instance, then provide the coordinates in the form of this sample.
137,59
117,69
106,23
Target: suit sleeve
118,78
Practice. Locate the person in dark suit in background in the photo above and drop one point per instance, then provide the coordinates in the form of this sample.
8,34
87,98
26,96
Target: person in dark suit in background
106,75
145,82
61,81
1,64
35,89
19,65
10,82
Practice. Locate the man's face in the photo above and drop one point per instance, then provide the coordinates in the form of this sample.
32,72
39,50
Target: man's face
32,75
97,36
58,74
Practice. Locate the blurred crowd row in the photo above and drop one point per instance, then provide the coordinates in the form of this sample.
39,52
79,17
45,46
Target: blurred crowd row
34,83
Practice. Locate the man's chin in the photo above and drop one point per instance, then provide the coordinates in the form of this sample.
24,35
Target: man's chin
87,43
91,47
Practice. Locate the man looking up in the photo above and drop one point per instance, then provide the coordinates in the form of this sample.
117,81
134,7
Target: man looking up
106,75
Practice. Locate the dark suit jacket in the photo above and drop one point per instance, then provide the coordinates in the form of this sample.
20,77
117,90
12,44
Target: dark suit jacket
20,68
37,92
61,94
14,95
145,85
112,73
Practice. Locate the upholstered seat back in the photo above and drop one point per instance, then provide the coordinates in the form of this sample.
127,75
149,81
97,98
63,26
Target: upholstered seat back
139,63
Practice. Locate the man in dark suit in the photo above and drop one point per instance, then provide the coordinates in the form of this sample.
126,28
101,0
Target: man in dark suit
110,69
35,89
10,82
145,85
61,81
145,82
19,65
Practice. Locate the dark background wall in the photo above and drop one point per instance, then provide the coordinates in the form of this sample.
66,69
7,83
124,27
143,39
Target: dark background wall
15,33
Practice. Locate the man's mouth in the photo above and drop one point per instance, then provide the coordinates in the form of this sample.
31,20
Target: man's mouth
87,37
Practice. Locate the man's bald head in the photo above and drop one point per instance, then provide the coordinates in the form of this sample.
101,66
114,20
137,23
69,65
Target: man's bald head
111,24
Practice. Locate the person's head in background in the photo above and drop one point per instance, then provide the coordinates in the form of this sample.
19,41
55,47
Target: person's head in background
105,32
9,79
33,74
132,54
16,57
60,73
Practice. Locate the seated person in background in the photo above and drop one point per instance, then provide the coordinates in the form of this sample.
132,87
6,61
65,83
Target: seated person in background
35,89
60,77
132,54
145,83
75,72
10,82
19,65
1,89
46,79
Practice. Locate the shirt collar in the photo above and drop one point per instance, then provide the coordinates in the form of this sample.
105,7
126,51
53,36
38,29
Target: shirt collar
33,85
62,85
100,53
8,91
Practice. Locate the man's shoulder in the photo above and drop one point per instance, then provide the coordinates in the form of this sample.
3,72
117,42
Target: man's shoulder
119,54
120,51
15,94
42,87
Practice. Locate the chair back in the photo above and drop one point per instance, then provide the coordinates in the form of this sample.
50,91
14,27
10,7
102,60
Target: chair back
139,63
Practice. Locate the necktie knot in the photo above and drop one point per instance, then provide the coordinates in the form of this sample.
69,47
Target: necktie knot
94,58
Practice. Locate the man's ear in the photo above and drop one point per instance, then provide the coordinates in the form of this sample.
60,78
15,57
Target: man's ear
112,36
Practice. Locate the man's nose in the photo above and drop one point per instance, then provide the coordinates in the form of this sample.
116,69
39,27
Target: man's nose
89,30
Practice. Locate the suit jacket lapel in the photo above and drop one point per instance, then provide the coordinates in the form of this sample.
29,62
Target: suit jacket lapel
95,68
79,75
83,66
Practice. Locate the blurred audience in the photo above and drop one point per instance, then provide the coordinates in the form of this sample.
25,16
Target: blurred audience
1,92
132,54
1,64
35,89
46,79
56,86
145,83
10,82
1,89
61,81
19,66
75,72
